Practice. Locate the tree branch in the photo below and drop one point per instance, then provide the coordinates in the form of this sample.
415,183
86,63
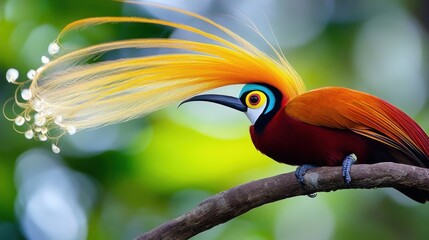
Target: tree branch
238,200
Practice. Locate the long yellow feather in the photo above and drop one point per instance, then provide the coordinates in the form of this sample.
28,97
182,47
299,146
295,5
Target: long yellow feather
68,94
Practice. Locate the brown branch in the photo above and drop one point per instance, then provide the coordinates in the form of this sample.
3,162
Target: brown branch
238,200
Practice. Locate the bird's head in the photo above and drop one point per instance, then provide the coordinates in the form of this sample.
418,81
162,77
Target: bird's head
258,101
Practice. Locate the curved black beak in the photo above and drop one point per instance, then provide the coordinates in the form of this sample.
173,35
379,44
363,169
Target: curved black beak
227,101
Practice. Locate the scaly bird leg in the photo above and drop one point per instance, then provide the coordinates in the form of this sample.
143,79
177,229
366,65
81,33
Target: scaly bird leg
300,172
347,165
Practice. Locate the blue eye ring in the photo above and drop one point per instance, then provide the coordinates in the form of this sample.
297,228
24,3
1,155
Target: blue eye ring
248,88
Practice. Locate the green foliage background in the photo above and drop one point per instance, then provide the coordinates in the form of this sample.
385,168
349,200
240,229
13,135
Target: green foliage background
160,168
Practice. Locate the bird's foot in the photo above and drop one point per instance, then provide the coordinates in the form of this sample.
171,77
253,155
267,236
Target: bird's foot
347,165
300,172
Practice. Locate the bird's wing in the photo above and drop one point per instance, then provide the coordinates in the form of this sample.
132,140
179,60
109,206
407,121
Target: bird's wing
363,114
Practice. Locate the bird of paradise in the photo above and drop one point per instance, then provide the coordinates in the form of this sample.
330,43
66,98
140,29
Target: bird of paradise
324,127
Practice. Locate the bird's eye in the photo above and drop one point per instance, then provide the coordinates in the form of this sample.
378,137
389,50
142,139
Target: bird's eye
255,99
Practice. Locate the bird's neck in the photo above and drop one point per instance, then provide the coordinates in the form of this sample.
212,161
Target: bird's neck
265,119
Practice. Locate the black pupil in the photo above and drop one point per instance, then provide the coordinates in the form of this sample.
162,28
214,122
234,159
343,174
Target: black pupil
254,99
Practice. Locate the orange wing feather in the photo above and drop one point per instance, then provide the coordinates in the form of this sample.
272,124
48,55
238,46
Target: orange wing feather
363,114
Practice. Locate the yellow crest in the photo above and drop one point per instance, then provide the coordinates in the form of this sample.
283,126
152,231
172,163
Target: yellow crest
67,94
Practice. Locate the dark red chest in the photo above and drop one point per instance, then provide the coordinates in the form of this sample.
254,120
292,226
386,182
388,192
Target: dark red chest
293,142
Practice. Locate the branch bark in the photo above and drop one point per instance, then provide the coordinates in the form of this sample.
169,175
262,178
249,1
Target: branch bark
238,200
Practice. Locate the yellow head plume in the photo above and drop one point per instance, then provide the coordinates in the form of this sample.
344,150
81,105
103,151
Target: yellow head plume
67,94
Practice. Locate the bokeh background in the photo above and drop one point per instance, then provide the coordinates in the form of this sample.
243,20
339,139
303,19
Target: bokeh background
122,180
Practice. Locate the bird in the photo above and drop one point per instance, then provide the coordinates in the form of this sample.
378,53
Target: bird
329,126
